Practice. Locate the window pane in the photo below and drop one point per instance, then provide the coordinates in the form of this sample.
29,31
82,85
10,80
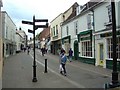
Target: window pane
86,49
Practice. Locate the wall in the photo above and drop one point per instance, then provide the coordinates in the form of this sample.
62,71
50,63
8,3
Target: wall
101,16
118,13
9,31
56,21
18,42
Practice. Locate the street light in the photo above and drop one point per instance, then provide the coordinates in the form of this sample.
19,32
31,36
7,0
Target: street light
114,82
114,73
35,27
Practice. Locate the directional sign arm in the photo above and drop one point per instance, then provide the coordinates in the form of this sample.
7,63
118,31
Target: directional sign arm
30,31
27,22
40,26
41,20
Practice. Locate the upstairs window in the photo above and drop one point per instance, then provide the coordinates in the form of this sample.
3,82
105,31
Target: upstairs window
56,29
109,13
89,21
76,27
53,31
67,30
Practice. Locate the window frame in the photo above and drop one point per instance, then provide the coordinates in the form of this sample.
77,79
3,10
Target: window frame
86,47
110,47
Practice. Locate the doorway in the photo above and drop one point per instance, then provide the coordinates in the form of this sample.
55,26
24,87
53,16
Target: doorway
76,50
101,54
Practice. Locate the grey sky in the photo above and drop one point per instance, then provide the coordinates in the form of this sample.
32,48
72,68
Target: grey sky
20,10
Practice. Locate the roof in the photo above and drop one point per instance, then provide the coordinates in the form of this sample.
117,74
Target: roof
73,12
56,17
86,7
45,33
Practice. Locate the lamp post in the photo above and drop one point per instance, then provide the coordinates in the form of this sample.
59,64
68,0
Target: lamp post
34,61
35,27
114,82
114,73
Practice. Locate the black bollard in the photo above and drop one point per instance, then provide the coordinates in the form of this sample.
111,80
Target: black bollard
45,66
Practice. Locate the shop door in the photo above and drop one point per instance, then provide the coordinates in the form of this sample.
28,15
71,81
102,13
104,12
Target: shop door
76,50
101,54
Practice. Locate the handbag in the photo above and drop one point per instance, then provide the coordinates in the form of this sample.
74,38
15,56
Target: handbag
60,67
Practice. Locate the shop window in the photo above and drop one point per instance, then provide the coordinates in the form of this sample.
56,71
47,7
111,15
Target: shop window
110,48
87,49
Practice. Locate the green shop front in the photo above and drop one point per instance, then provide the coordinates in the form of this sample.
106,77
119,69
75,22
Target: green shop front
109,43
85,43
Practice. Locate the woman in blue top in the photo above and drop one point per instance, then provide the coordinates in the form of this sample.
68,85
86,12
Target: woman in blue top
63,62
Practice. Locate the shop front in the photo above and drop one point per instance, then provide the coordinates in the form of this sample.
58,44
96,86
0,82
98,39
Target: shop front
86,47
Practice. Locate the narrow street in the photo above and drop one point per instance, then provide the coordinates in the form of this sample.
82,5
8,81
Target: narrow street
17,73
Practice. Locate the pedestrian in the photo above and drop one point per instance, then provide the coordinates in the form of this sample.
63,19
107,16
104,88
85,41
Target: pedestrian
43,51
62,51
28,50
70,54
24,49
63,63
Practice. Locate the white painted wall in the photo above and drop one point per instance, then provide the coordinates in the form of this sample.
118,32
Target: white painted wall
101,16
18,40
10,27
71,32
9,30
117,13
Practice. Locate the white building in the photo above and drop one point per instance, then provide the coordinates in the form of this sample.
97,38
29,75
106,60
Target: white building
22,39
90,34
9,31
103,34
19,42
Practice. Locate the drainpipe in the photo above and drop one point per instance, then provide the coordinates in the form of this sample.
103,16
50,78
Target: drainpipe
94,34
93,31
61,33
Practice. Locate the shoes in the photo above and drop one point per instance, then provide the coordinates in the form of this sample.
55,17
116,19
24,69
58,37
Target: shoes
65,74
61,72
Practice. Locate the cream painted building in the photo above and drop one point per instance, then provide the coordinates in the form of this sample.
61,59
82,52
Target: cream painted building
1,45
55,32
55,27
